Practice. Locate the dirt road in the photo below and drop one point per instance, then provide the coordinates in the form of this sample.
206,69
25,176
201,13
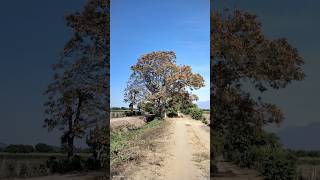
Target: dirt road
183,153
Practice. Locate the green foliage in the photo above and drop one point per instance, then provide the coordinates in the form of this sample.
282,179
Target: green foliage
172,112
275,163
187,108
193,110
75,163
118,108
44,148
133,113
148,107
196,113
19,148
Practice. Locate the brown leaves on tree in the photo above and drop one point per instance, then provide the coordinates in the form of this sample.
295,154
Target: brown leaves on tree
162,79
242,55
78,97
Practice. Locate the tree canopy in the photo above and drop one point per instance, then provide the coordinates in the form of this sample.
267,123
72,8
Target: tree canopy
159,80
242,56
78,96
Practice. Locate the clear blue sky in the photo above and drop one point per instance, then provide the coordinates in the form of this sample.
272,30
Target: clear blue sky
142,26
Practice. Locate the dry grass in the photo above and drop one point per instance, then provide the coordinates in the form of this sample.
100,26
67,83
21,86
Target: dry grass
132,145
126,123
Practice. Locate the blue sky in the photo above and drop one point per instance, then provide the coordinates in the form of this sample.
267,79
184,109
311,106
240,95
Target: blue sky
139,27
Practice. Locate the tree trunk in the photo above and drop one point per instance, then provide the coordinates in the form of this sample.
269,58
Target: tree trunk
131,107
70,146
70,135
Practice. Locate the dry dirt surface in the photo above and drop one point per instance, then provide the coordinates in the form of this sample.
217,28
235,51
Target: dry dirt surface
127,122
182,152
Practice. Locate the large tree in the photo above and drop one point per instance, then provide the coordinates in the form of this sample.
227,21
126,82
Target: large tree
78,96
241,57
163,78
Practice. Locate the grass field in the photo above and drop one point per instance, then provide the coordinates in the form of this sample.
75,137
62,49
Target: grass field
309,168
117,113
27,164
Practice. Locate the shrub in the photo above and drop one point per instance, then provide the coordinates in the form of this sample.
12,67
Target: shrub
275,163
64,165
196,113
172,112
23,170
92,164
53,164
76,163
133,113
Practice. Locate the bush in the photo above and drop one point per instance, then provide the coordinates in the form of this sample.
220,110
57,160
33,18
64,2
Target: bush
172,113
92,164
196,113
53,164
274,163
133,113
74,164
64,165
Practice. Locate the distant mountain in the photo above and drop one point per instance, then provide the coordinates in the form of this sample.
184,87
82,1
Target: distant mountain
204,104
301,137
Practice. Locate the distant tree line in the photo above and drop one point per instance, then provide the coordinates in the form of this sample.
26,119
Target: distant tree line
119,108
305,153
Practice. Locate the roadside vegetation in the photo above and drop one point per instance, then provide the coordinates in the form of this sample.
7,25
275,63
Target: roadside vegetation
128,147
